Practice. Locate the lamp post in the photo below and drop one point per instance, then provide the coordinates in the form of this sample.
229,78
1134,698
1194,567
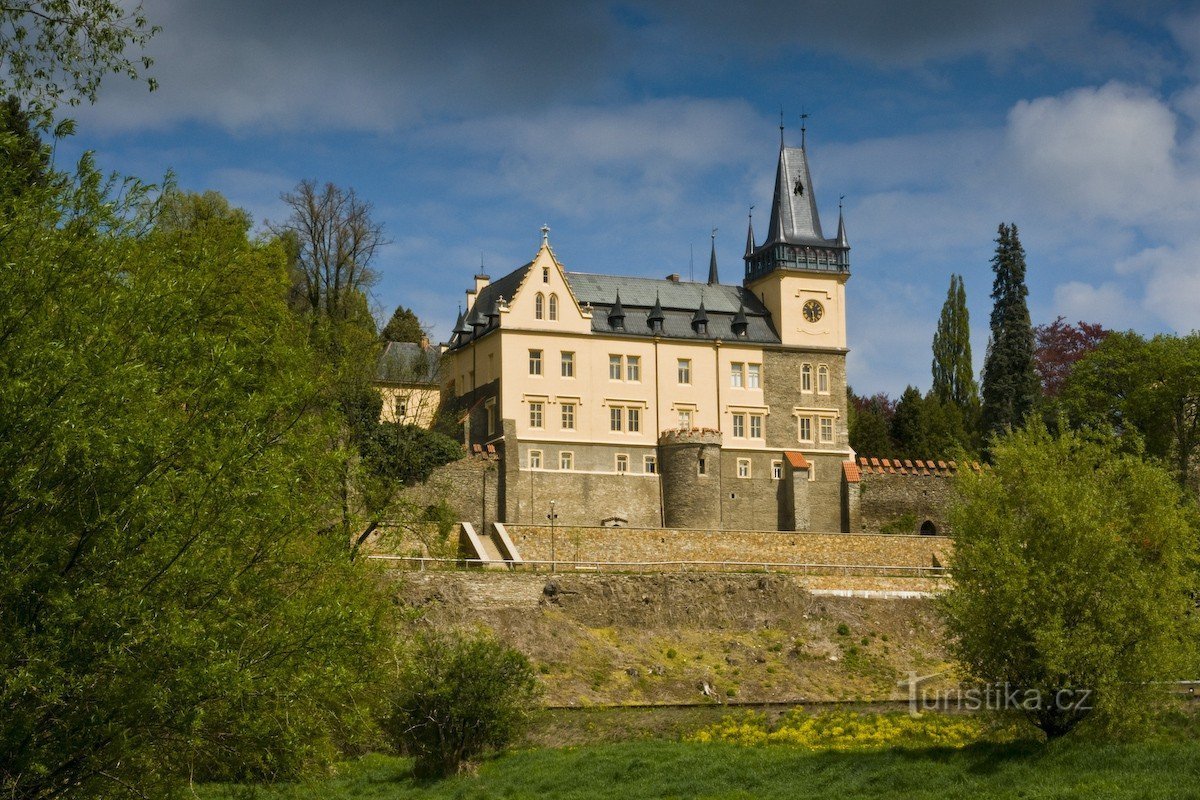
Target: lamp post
553,517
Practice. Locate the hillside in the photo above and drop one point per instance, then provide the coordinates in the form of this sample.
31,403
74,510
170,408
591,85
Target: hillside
636,639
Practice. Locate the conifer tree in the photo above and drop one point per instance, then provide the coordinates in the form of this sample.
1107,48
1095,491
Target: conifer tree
953,375
1010,384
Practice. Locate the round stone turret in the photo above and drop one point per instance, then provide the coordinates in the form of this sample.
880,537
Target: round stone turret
690,461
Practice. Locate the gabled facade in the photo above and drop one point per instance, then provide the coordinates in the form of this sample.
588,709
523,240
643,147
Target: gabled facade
652,402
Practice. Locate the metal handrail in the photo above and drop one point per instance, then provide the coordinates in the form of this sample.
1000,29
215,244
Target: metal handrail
664,566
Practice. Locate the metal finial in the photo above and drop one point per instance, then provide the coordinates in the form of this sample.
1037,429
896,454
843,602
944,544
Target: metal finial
714,234
781,127
751,213
803,127
841,200
545,232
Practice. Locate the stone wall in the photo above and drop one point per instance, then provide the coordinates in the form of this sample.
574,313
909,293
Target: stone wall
468,486
894,503
584,544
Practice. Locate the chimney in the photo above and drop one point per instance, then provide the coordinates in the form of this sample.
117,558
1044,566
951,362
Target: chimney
673,277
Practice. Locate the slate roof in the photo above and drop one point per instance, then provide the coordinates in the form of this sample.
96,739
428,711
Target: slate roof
407,362
794,217
679,300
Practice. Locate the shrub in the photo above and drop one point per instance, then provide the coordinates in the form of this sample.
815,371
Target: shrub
458,696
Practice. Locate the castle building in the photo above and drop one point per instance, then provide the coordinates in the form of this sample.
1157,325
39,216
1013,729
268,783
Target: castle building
663,402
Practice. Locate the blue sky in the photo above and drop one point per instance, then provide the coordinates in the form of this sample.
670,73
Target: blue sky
634,128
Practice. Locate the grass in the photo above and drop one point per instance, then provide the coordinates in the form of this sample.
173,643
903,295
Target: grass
673,769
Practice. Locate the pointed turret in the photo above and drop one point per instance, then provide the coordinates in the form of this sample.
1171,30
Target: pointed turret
740,323
841,240
750,234
616,315
700,320
713,280
657,317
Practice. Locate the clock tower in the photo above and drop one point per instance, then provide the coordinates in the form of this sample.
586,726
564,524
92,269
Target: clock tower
797,273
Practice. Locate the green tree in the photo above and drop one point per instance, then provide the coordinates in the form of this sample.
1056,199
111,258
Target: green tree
56,50
1147,391
953,374
870,423
27,154
169,608
909,425
459,696
1072,577
404,326
1010,384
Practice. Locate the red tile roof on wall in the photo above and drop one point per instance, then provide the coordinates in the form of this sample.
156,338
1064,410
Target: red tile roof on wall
796,459
850,470
871,465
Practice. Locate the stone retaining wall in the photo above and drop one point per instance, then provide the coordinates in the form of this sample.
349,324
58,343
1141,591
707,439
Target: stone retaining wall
584,544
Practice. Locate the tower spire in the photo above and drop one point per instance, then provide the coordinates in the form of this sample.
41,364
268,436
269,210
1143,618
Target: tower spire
712,261
750,232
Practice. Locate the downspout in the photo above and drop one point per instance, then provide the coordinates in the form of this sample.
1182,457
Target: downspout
662,514
720,471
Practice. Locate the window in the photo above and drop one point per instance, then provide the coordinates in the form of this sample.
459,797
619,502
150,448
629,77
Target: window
743,468
685,370
568,364
700,467
649,465
616,417
614,368
568,416
635,420
753,376
806,378
535,415
539,306
491,417
401,408
553,306
826,429
622,462
566,460
736,373
823,379
739,426
685,419
756,426
535,362
776,470
633,368
535,459
806,429
545,274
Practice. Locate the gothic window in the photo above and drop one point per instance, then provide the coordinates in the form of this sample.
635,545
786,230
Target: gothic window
539,306
806,378
553,307
823,379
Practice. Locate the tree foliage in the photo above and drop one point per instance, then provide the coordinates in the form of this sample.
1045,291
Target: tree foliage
28,156
953,373
459,696
56,50
1057,346
169,609
870,423
404,326
1147,391
1010,384
1072,572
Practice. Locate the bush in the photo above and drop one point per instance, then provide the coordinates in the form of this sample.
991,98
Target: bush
458,696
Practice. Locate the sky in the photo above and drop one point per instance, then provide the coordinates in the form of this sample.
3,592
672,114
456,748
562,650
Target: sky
633,129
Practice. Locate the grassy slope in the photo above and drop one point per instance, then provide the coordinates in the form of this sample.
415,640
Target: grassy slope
644,769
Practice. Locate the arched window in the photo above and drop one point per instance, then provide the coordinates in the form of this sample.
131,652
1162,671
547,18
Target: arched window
928,528
553,306
539,306
823,379
806,378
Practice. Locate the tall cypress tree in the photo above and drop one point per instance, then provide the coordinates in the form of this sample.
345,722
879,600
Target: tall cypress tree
953,375
1010,384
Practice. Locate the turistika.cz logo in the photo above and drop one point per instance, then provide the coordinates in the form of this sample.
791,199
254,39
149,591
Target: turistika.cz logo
1001,696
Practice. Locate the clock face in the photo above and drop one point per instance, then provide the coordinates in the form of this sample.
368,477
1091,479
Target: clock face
813,310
